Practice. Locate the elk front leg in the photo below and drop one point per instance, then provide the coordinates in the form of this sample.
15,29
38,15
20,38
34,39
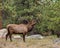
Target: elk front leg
24,37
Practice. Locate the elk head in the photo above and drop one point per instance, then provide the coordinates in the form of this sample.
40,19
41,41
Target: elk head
32,22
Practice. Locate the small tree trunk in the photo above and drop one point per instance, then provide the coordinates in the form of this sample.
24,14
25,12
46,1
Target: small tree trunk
0,24
0,14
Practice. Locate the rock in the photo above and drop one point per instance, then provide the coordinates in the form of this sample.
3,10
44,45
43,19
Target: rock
17,36
3,32
35,36
56,41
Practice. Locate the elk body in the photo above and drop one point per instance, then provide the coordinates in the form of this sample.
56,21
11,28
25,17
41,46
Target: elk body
19,29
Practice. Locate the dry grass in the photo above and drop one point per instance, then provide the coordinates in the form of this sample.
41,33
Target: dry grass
47,42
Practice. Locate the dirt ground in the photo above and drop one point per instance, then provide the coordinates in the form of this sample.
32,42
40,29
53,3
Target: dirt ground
47,42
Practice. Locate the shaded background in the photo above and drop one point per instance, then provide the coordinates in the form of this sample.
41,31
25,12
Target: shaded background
45,12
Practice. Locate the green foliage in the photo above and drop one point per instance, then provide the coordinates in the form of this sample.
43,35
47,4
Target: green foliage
45,12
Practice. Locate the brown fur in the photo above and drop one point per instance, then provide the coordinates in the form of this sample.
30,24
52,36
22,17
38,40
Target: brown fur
19,29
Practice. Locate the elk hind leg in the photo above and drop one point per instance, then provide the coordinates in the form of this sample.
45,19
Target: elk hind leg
10,36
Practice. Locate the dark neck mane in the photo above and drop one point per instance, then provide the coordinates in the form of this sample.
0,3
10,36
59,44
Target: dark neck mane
30,27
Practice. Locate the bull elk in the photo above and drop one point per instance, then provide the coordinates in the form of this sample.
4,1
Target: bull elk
19,29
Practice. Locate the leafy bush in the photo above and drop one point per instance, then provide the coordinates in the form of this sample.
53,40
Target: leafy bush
46,13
